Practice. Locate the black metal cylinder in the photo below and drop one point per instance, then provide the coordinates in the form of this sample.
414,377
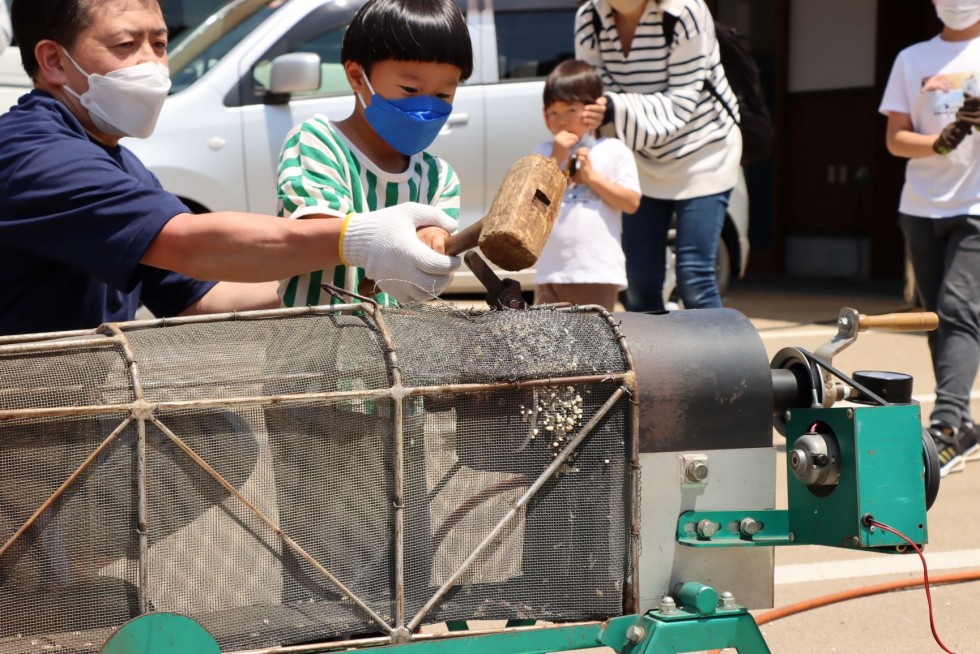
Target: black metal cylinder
704,380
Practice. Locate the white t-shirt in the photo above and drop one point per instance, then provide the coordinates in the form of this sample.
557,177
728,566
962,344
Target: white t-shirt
585,244
927,82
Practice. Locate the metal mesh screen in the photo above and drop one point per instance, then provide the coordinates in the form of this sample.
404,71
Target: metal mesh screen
253,474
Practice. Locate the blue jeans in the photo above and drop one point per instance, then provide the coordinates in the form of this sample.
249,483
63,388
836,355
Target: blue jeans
699,223
945,256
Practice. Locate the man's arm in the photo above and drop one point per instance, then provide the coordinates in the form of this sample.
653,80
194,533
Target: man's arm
234,296
244,247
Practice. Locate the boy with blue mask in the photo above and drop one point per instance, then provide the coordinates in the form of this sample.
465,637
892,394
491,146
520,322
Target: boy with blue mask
404,60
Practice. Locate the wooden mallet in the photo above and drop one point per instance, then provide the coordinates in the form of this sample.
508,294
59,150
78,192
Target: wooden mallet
521,215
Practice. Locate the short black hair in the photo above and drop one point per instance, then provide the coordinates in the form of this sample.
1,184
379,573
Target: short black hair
58,20
409,30
572,80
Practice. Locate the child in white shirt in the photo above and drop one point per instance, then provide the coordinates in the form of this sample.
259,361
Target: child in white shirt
583,261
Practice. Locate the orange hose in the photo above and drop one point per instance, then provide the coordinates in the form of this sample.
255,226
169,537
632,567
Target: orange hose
864,591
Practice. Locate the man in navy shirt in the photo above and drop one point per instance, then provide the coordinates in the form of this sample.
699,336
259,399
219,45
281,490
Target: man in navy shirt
86,231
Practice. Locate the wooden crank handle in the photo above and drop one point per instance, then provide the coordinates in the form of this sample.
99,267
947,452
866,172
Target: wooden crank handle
925,321
464,240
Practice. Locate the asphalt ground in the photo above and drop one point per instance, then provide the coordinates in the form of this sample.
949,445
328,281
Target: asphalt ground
803,313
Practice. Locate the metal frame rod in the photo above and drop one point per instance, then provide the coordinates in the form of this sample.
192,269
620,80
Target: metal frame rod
228,486
518,505
65,485
633,598
259,400
398,394
140,413
56,340
343,645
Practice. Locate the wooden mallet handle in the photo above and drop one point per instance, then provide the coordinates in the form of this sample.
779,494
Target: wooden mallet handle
925,321
465,239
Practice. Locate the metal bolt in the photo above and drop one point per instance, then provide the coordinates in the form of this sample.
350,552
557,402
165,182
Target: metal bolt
726,600
635,634
850,413
668,605
855,540
749,527
697,471
707,529
792,537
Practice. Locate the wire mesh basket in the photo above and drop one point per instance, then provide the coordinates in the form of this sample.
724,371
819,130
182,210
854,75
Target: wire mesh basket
301,475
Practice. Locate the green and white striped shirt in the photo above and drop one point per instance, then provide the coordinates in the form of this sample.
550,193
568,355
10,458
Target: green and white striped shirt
322,173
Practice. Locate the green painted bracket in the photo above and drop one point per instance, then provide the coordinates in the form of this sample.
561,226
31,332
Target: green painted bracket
763,528
692,632
685,630
161,633
526,641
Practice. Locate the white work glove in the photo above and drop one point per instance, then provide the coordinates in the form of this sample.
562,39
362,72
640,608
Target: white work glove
385,245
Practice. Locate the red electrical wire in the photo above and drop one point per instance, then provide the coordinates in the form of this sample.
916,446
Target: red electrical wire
867,591
925,575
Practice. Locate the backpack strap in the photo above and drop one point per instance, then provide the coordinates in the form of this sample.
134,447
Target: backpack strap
714,92
596,23
669,23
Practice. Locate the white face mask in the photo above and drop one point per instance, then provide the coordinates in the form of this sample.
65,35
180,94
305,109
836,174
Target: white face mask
958,14
125,102
626,6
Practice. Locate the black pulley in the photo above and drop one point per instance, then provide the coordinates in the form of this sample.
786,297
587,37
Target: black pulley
796,384
930,458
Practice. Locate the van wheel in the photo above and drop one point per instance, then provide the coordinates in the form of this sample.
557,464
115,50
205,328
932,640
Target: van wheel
723,269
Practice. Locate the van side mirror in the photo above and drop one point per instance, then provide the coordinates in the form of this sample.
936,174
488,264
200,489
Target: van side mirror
292,73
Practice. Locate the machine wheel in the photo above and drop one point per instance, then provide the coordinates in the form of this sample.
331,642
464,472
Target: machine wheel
930,458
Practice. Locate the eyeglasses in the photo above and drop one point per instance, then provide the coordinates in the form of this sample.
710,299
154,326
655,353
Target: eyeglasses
571,112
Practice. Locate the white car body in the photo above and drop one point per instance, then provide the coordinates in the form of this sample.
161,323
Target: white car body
14,82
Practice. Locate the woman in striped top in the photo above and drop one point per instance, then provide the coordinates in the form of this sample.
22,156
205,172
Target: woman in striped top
666,98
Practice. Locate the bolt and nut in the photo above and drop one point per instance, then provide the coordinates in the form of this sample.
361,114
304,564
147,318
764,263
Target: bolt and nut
749,527
697,471
635,634
707,528
726,600
668,605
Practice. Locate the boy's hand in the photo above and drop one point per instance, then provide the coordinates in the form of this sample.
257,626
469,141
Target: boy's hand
969,113
584,172
563,143
435,237
386,245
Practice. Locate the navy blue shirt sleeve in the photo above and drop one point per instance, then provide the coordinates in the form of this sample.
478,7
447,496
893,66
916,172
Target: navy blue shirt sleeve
76,217
74,204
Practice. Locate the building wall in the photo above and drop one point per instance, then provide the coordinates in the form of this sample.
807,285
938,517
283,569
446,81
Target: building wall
831,44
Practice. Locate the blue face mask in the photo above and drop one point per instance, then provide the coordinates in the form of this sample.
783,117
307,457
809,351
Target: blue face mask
409,125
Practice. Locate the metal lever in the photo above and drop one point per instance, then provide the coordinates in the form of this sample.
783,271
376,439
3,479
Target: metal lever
501,293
